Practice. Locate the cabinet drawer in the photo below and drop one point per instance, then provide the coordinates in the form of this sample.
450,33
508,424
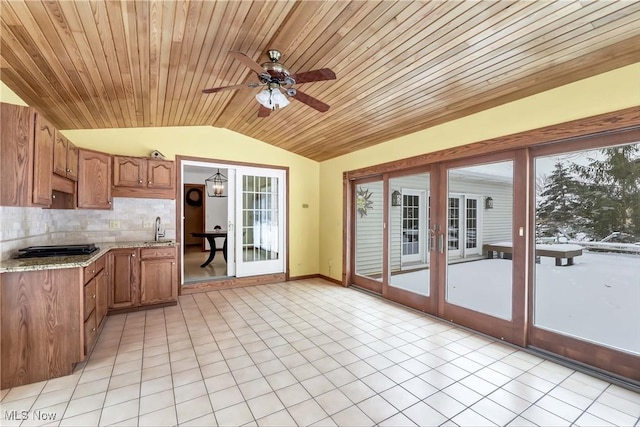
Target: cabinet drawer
90,332
89,272
164,252
100,263
89,298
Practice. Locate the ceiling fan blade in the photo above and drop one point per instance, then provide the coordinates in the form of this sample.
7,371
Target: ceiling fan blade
264,111
220,89
311,101
247,61
314,76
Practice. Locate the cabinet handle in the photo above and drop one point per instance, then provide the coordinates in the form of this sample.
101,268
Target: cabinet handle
173,263
140,181
68,170
133,255
93,330
93,296
150,182
109,201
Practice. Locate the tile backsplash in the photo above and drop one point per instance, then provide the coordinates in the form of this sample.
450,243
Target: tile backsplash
22,227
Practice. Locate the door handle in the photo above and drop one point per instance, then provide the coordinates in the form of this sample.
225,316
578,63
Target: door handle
230,226
441,243
432,239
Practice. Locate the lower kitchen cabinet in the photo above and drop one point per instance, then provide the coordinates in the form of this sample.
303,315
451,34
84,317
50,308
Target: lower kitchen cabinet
41,325
124,269
158,275
142,277
96,294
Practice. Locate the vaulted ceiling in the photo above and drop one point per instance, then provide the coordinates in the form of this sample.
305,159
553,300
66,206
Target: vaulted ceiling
401,66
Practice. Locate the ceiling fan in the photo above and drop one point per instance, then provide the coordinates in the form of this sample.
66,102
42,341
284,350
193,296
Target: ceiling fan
275,78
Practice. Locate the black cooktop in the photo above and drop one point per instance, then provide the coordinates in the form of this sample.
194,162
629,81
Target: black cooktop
56,250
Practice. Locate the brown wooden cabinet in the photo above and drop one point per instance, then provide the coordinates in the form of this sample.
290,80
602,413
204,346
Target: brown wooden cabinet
158,275
129,172
141,177
160,174
42,161
142,277
95,301
124,278
65,158
26,157
41,325
94,180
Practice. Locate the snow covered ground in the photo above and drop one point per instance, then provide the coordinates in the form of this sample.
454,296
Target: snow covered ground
597,299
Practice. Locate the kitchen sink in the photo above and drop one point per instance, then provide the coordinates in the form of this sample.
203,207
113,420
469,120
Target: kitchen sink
150,242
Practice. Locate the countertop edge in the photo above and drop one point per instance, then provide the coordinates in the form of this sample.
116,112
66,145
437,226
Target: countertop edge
75,261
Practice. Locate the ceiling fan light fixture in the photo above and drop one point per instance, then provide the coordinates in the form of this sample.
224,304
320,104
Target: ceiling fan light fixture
272,98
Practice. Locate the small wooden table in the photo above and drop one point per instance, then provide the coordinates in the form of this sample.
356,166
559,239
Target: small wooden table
211,238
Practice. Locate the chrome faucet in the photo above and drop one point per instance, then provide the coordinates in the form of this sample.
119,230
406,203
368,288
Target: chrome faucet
159,231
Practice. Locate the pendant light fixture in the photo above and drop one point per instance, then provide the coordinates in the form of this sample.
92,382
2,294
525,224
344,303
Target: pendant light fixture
215,185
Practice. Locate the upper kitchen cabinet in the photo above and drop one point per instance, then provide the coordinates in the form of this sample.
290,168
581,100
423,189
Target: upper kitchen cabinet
94,180
43,161
142,177
129,172
65,158
26,157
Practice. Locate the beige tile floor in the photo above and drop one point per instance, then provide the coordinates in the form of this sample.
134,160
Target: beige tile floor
310,353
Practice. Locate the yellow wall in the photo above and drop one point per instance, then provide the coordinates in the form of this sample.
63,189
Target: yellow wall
604,93
9,97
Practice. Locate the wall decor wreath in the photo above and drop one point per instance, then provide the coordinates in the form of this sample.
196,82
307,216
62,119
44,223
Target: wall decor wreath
363,201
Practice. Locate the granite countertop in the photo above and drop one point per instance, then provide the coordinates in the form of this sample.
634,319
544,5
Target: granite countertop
72,261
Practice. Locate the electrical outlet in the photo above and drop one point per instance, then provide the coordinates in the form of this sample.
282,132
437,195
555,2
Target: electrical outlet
147,224
114,225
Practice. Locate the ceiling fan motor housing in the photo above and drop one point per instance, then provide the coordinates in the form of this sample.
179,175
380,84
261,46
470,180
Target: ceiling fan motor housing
275,69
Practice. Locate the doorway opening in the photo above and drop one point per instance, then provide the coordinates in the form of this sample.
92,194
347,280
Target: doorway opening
235,228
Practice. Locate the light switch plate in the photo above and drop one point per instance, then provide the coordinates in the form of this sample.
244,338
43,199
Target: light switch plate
114,224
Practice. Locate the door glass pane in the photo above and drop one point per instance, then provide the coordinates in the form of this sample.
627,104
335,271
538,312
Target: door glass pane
369,223
260,228
409,233
588,246
410,224
479,221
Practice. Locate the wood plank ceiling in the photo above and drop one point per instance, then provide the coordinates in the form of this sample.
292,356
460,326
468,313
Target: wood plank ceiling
401,66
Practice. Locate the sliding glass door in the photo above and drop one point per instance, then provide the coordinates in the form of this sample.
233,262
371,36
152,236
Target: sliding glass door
586,287
538,246
483,258
410,243
368,250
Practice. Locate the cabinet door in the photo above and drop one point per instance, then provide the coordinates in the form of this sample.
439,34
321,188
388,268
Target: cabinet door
72,161
129,172
158,280
124,280
160,174
16,146
43,161
94,180
102,296
60,155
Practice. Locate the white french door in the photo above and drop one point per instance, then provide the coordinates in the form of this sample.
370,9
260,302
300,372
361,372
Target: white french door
413,226
260,221
463,218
